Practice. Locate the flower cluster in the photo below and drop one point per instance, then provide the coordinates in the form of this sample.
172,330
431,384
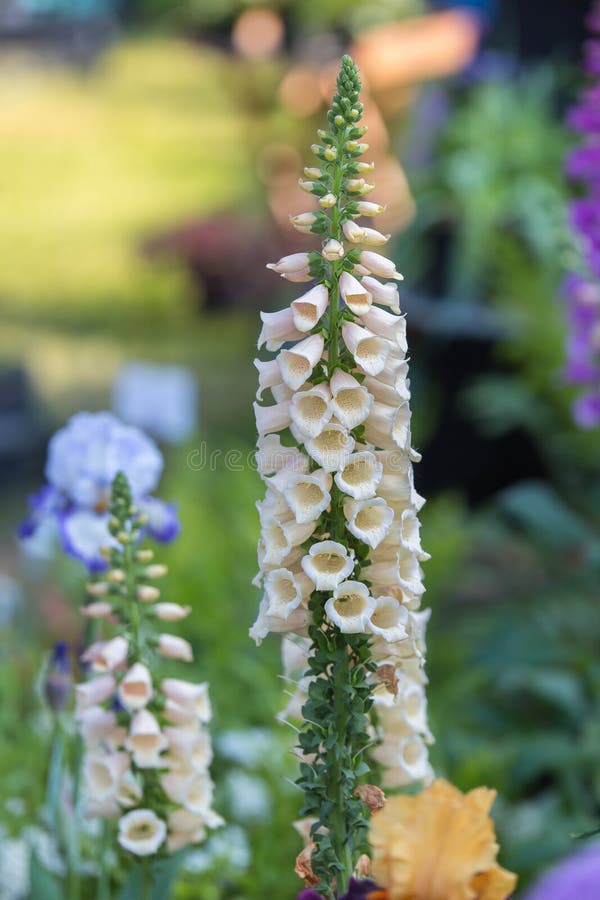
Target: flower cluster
582,290
83,459
147,747
340,550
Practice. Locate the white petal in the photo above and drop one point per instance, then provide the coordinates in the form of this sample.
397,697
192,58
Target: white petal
368,520
308,309
369,351
350,607
327,564
297,364
331,448
360,475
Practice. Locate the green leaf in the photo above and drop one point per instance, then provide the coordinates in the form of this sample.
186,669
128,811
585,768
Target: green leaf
164,872
132,889
544,515
43,886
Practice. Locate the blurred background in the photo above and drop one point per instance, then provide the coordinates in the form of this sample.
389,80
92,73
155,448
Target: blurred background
149,156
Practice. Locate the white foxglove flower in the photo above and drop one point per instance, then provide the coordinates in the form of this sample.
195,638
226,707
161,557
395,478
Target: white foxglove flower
280,538
175,647
296,365
278,327
389,619
368,208
107,656
369,351
102,773
327,564
135,690
381,322
406,533
375,264
289,264
100,609
308,309
194,791
268,375
399,568
189,751
93,692
273,418
98,727
368,520
307,495
385,294
285,591
350,401
331,448
333,250
351,607
193,697
354,294
272,456
185,828
310,411
296,623
385,392
141,832
389,426
353,232
360,475
303,222
373,238
404,761
146,741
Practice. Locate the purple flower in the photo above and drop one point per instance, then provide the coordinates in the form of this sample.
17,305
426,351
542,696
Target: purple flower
358,890
577,876
586,409
58,683
83,459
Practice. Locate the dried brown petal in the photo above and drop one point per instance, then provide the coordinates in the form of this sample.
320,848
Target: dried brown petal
371,795
303,868
386,675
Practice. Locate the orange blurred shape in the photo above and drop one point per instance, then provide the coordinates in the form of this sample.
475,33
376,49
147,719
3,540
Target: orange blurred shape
430,46
299,91
258,33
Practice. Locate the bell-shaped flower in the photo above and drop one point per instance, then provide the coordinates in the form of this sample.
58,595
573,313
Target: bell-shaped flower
374,238
384,294
379,265
278,327
331,448
397,482
351,607
370,351
92,692
389,619
102,773
285,591
194,791
270,419
268,375
193,697
351,402
354,294
280,537
406,532
141,832
333,250
387,426
146,741
99,609
308,309
272,504
189,751
310,411
404,760
307,495
303,222
367,208
360,475
272,456
389,387
174,647
352,232
287,265
297,622
135,690
129,790
327,564
98,727
107,656
185,828
368,520
400,568
379,321
297,364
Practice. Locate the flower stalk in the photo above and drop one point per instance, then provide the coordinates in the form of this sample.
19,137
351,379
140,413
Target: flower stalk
340,552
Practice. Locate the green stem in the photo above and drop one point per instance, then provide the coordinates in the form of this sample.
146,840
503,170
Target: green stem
103,892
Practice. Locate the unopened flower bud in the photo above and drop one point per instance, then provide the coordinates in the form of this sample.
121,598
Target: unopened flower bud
100,609
147,593
97,588
367,208
356,147
328,201
355,185
312,173
304,221
362,167
58,683
158,570
330,154
115,576
171,612
339,120
145,555
123,537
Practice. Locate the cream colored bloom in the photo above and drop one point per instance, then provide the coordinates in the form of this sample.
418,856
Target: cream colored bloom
98,610
296,365
184,828
368,520
386,294
194,792
381,322
310,411
327,564
369,351
354,294
333,250
188,750
98,727
171,612
351,607
307,495
350,401
281,537
303,222
146,741
389,619
367,208
135,690
308,309
278,327
331,447
297,622
287,264
404,760
92,692
352,231
285,591
388,426
273,418
141,832
360,475
272,456
102,773
379,265
193,697
175,647
269,375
